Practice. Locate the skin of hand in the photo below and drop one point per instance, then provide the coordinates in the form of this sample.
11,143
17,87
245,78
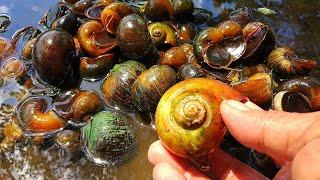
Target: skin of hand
291,139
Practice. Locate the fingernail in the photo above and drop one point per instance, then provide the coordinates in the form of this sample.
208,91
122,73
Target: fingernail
237,105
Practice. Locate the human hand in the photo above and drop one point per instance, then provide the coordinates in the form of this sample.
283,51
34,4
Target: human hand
291,139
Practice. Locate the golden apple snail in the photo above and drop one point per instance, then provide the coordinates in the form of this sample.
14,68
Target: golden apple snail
116,87
162,34
108,139
51,56
133,37
151,85
285,62
77,106
36,117
291,102
188,119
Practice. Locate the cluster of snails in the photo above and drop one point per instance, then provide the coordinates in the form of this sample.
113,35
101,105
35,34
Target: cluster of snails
153,57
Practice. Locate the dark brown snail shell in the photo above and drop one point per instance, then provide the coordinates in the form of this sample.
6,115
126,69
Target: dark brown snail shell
186,32
259,38
81,6
308,86
161,10
291,102
68,139
77,106
188,71
133,37
151,85
67,22
285,62
242,15
117,86
51,56
95,68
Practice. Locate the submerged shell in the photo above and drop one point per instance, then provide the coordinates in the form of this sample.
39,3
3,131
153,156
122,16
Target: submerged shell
109,139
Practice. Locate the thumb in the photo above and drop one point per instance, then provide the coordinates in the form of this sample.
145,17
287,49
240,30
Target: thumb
279,134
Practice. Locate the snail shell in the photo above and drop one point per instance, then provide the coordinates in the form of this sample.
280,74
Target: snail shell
188,119
117,86
151,85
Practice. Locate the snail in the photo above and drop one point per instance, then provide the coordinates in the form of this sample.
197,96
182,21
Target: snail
151,85
36,117
81,6
68,22
161,10
108,139
68,139
230,29
77,106
260,40
116,87
95,68
258,88
133,37
188,71
13,68
174,57
94,39
113,13
242,15
6,48
27,49
285,62
188,119
215,50
308,86
162,34
291,102
52,54
185,32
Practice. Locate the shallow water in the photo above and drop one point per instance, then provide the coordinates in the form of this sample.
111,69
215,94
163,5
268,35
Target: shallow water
296,25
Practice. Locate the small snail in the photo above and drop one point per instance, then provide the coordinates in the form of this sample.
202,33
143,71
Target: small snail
291,102
285,62
133,37
151,85
36,117
188,119
230,29
13,68
116,87
94,40
77,106
109,138
258,88
174,57
162,34
95,68
113,13
51,56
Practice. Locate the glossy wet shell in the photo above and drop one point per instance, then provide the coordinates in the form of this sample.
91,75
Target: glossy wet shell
151,85
51,53
117,86
188,119
109,139
133,37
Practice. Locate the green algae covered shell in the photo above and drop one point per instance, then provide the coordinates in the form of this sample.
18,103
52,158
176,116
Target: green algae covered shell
109,139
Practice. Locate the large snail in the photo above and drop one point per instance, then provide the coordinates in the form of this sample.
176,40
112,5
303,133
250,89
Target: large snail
188,119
